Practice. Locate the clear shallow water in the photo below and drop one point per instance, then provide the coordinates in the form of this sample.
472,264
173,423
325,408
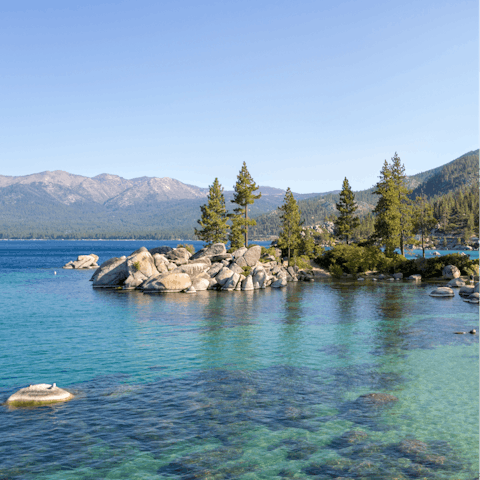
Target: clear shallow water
241,385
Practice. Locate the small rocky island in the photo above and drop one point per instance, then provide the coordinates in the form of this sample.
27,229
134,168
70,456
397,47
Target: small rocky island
166,270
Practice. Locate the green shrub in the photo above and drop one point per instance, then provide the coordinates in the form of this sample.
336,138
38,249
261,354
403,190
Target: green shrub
137,266
190,248
302,262
247,270
335,270
432,267
269,251
355,259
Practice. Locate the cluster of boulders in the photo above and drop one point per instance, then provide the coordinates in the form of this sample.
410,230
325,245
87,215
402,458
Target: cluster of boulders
166,269
469,294
83,262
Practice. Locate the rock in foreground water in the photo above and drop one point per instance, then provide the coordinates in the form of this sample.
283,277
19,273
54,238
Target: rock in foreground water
39,394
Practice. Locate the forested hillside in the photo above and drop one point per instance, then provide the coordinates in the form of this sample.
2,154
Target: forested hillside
449,179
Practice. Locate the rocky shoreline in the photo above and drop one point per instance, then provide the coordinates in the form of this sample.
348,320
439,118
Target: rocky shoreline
173,270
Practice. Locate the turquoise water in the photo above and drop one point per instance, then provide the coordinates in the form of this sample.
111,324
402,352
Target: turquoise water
246,385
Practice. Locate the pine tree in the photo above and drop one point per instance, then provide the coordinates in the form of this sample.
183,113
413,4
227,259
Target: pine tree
236,234
214,217
307,245
244,197
404,203
345,223
393,222
291,226
423,219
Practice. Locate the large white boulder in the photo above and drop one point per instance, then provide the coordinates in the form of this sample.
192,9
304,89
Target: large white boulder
179,255
192,269
240,252
231,283
259,276
40,394
140,266
280,282
85,261
111,273
450,271
201,282
224,274
215,249
456,283
247,284
167,283
252,255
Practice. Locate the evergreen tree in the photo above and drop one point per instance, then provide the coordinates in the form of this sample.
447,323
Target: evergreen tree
236,234
423,219
393,211
244,197
214,217
307,245
387,220
345,223
404,203
291,226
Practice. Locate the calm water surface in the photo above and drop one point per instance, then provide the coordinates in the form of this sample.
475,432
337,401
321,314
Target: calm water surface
239,385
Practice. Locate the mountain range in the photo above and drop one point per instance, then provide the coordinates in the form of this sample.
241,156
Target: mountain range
59,204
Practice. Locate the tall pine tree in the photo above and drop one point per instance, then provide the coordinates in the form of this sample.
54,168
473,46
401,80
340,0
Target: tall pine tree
423,219
214,217
346,222
393,221
244,197
387,214
404,202
291,226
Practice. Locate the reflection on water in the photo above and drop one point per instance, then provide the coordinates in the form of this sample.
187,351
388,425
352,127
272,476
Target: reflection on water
247,385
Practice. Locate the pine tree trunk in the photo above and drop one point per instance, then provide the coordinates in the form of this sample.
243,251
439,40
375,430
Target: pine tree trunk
246,225
423,246
402,249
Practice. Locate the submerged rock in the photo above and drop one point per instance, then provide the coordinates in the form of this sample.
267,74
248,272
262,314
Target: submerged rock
416,277
466,291
442,292
376,399
473,298
39,394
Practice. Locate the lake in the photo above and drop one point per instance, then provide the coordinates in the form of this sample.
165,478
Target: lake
266,384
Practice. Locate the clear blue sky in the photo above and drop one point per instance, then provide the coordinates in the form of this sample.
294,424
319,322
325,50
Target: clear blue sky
306,92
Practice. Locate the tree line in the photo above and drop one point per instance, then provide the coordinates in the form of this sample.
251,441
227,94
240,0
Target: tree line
393,223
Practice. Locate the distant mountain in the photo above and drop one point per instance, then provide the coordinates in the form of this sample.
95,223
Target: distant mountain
64,205
439,181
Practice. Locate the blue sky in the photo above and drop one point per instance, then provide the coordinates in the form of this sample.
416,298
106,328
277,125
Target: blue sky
305,92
